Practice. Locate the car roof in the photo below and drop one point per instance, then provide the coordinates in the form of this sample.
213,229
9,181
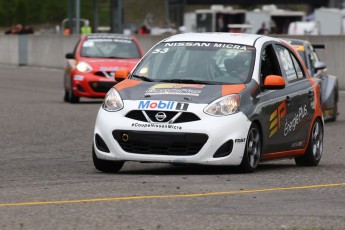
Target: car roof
295,41
239,38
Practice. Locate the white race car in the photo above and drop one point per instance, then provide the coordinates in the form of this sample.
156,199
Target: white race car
212,99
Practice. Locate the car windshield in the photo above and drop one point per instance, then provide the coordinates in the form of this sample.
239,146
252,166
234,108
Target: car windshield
208,62
109,48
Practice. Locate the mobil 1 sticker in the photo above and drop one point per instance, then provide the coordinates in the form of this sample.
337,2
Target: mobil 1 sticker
164,105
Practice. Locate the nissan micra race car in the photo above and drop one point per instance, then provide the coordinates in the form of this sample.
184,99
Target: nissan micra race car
318,69
211,99
93,64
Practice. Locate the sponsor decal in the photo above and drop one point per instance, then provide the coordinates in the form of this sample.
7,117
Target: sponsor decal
78,77
175,89
298,47
104,68
276,117
297,120
201,44
298,144
91,42
155,125
328,112
168,105
230,46
241,140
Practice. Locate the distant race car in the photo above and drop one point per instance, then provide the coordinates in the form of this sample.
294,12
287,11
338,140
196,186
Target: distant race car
93,64
211,99
317,69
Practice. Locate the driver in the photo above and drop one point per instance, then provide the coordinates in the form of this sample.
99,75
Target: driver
238,66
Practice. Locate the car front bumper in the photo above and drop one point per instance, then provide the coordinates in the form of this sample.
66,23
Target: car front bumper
89,85
193,142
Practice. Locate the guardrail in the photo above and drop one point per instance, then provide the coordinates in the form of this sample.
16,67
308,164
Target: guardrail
50,50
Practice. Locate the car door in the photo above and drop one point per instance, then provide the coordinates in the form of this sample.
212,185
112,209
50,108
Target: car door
299,99
275,105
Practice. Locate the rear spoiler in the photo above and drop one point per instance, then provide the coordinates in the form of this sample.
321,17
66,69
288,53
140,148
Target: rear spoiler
319,46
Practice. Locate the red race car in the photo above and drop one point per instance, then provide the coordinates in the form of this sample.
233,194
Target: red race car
92,66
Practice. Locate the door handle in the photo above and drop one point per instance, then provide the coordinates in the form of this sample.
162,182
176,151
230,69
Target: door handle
311,94
288,100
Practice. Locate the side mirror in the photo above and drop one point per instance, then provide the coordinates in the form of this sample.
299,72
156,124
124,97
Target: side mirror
69,56
319,65
121,74
274,82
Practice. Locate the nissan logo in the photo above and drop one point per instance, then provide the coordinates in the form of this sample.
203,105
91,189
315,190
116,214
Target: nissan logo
160,116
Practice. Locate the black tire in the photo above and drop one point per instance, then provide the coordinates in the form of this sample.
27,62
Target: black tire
72,98
66,96
106,166
252,152
65,91
313,154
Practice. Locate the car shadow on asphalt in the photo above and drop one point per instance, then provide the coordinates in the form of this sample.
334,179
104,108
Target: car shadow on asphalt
203,170
81,102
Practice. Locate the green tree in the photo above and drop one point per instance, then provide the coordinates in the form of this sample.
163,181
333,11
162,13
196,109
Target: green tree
21,12
7,10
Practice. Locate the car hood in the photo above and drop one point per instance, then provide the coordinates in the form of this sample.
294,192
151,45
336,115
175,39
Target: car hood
130,89
108,64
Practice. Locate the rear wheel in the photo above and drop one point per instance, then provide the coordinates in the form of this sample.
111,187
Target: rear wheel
252,151
314,150
106,166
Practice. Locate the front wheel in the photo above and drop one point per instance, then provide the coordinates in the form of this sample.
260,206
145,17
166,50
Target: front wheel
106,166
313,154
66,96
252,151
72,98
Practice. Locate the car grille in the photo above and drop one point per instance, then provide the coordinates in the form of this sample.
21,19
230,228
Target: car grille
182,117
108,74
101,87
160,143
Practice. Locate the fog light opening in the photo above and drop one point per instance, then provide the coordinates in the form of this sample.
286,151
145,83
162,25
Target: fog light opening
224,150
80,88
100,144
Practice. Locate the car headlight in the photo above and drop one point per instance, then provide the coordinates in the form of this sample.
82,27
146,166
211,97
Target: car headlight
112,101
224,106
84,67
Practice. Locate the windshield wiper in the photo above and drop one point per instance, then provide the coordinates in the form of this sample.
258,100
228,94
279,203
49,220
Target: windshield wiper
142,78
188,81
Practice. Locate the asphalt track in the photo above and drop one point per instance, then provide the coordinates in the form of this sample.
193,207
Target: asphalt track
47,179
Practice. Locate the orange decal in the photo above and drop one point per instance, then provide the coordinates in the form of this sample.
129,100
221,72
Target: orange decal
298,47
290,153
275,118
230,89
126,84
